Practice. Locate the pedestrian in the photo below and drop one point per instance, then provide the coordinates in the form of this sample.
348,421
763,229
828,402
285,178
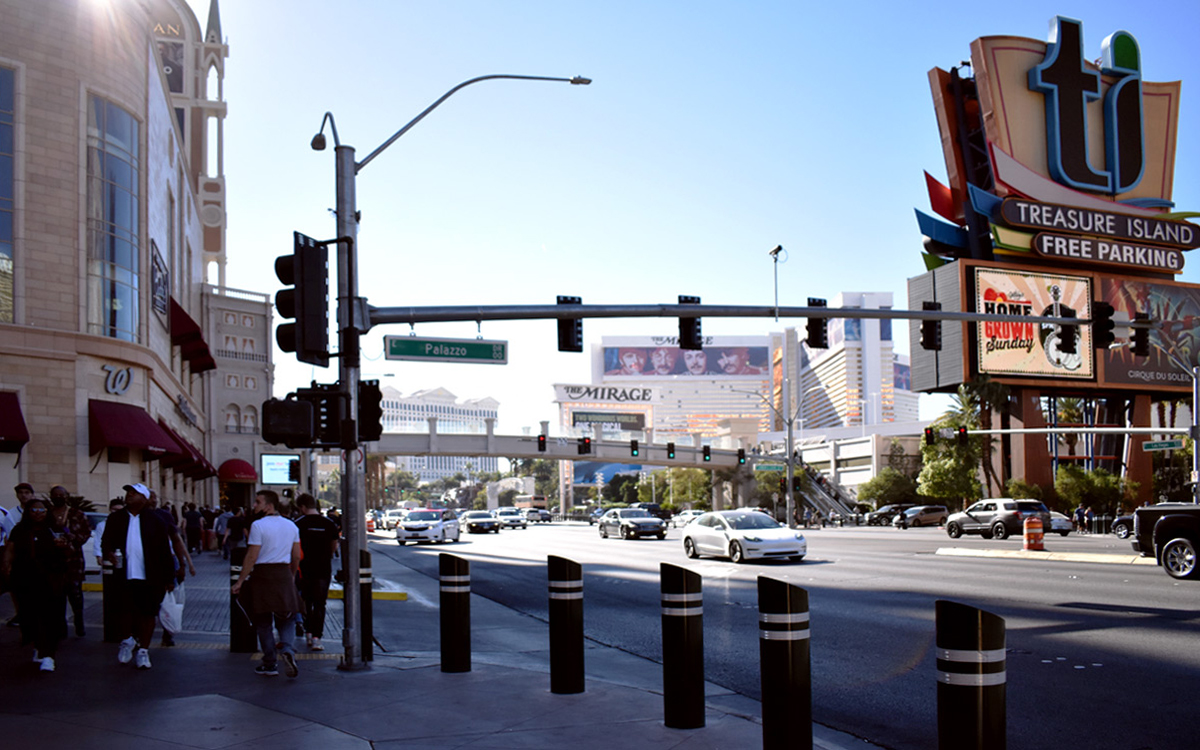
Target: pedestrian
24,493
193,524
318,543
35,564
1089,518
181,558
73,522
1079,520
807,518
235,530
136,541
272,561
219,526
117,503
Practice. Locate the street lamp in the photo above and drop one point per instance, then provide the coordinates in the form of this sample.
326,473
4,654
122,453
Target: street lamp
353,321
790,448
1194,371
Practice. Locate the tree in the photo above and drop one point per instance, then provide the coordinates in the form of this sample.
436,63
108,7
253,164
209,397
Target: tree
507,497
622,489
988,397
1099,489
950,470
886,487
1070,412
1020,489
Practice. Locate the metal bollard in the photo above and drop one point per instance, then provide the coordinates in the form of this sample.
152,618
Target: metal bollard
971,691
785,665
566,625
683,647
243,638
111,584
455,602
367,633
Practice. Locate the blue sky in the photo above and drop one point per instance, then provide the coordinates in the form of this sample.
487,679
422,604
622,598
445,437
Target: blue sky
712,133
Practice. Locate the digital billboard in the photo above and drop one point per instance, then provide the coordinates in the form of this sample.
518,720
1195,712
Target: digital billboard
1175,308
1032,349
643,362
276,468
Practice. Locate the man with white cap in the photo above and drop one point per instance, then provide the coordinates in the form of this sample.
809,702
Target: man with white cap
144,544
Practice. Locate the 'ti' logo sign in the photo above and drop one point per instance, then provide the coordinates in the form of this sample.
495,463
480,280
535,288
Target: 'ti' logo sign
1069,86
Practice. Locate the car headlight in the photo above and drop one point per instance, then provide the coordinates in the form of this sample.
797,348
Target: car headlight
752,538
800,537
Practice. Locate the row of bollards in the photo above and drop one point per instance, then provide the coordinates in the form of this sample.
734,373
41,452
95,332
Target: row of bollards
971,680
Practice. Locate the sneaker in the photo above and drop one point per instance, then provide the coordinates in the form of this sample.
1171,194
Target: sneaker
266,671
308,639
47,664
125,652
143,659
168,640
316,645
289,664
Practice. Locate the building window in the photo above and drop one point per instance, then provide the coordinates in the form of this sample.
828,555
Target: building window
7,181
112,221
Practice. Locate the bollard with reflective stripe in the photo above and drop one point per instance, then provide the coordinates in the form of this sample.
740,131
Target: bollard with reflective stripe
367,633
455,601
971,691
111,583
683,647
566,625
243,638
785,665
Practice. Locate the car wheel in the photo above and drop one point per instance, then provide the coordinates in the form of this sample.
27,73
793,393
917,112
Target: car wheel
735,553
603,532
1179,559
689,548
915,524
953,530
624,532
797,558
1064,533
662,536
1121,530
400,542
1000,531
442,538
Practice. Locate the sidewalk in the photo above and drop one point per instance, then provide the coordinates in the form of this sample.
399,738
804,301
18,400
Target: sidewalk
198,695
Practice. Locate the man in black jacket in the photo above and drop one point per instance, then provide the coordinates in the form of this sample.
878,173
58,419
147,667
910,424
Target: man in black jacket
138,544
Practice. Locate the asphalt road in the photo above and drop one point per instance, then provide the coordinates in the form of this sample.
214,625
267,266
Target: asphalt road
1099,655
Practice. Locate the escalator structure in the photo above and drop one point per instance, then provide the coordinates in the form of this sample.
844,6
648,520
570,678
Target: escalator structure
822,495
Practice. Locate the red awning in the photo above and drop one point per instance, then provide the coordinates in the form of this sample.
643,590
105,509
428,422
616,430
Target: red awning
193,464
186,334
237,470
13,433
116,425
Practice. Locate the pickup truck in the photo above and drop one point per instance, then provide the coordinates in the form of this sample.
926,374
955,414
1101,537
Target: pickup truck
1170,532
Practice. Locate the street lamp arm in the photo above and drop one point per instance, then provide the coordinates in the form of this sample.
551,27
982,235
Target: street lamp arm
577,80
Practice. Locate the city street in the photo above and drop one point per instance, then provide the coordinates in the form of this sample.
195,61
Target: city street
1088,644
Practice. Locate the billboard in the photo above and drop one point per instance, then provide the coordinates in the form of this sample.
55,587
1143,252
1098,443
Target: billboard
1175,308
1032,349
643,362
627,421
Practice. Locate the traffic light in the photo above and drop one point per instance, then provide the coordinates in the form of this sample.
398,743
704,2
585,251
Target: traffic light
1067,335
288,422
1103,335
328,412
633,448
741,456
294,470
931,330
796,482
670,450
570,330
817,337
1141,335
961,433
541,443
585,446
306,271
689,328
370,411
929,436
707,452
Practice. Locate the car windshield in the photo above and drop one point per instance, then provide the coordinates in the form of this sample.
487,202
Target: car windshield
754,520
1031,507
508,512
423,515
477,514
633,513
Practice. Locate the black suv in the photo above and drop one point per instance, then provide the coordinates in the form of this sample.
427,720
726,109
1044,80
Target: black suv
884,515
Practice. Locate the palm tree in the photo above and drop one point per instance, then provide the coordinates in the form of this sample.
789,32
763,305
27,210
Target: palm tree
1070,411
990,396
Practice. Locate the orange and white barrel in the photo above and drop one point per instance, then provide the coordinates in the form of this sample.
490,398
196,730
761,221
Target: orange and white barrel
1033,533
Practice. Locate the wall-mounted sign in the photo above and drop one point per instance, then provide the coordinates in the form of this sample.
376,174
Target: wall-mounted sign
1145,257
1033,349
185,410
1018,212
605,393
117,380
160,281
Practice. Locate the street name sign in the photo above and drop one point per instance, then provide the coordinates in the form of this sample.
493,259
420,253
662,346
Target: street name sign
464,351
1163,445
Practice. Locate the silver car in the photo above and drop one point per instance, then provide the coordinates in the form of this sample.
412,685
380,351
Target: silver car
742,535
997,518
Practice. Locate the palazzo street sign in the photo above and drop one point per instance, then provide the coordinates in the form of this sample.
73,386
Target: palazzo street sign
1163,445
464,351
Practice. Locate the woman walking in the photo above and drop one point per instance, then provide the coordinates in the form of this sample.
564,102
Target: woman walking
35,560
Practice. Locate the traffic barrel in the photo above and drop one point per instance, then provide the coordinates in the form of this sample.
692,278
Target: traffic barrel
566,625
1034,533
455,608
683,647
243,638
784,665
971,676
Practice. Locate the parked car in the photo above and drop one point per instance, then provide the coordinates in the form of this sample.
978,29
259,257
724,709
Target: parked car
428,525
883,516
922,515
1170,533
538,515
479,522
511,518
393,517
742,535
684,517
1122,526
631,523
1060,524
997,518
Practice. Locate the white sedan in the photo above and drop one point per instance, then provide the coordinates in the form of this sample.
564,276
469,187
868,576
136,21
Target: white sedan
1059,524
742,535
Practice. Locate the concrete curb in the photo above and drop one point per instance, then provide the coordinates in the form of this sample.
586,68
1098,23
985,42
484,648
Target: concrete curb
1083,557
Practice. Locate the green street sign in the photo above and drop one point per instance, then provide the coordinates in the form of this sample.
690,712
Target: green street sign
769,467
465,351
1163,445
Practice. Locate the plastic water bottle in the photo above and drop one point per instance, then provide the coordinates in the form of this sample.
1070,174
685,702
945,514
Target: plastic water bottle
119,560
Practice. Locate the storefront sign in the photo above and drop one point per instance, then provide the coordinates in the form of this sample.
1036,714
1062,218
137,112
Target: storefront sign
118,380
1031,215
605,393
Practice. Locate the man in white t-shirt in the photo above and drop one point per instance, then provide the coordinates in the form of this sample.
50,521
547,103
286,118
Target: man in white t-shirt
272,559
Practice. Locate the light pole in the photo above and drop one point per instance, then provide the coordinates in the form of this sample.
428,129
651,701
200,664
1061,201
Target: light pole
1194,371
354,320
